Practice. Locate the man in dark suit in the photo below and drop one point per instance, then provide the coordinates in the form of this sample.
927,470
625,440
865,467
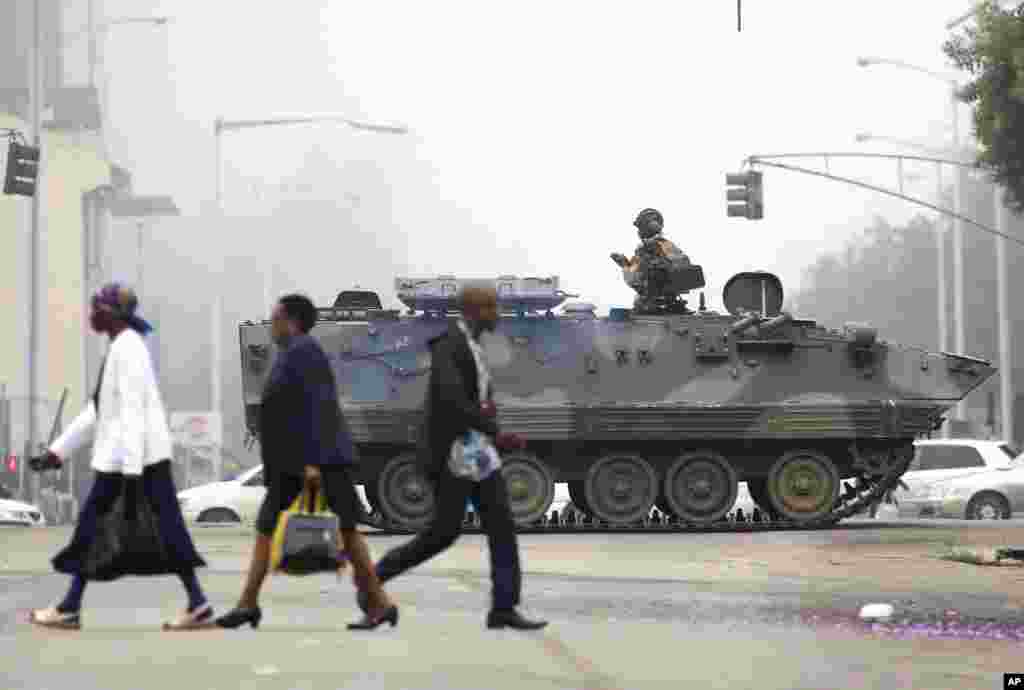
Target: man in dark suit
304,438
459,381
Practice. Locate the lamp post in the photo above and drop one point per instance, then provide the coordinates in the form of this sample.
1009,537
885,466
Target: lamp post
220,125
958,225
93,29
1005,364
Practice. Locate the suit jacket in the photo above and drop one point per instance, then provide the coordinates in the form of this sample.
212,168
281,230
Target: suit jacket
452,405
129,428
301,422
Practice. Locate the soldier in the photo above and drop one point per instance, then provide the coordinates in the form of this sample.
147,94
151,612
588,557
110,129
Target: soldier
648,271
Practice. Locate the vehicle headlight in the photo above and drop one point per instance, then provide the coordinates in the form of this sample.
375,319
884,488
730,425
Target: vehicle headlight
6,515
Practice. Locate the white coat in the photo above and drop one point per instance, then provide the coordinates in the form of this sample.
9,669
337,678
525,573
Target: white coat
130,432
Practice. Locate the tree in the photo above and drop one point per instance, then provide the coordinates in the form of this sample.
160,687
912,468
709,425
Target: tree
993,52
884,277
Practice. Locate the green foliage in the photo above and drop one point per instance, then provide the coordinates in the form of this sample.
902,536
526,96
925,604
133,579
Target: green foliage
993,53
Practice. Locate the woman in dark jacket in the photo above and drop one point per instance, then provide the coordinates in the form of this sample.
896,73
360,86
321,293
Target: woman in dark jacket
127,425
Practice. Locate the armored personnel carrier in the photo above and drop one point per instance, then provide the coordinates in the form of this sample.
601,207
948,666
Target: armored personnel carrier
670,407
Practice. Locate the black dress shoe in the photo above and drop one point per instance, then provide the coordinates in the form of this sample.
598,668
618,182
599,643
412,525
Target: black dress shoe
510,618
238,617
390,616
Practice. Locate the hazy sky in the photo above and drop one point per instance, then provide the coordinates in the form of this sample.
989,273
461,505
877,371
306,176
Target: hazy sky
539,128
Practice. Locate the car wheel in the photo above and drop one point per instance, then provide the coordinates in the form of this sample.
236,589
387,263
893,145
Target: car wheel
218,515
988,506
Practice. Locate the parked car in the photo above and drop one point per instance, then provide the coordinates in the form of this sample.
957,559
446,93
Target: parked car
963,478
233,501
17,513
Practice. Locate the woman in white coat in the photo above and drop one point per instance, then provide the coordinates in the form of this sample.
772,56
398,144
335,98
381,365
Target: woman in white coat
127,424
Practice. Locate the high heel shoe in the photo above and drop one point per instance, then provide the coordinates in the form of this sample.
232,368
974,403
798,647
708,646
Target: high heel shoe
368,623
238,617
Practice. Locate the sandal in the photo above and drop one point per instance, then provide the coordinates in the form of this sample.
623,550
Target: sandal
52,618
192,620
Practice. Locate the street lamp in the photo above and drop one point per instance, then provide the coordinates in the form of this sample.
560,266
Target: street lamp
958,225
93,29
220,125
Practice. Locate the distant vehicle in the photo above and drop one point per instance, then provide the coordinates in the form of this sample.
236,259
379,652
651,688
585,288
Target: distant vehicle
17,513
234,501
963,478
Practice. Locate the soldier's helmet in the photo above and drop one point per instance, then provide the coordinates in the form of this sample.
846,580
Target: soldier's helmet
643,226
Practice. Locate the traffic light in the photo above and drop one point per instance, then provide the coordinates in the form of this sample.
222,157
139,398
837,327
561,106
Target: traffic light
748,190
12,463
22,169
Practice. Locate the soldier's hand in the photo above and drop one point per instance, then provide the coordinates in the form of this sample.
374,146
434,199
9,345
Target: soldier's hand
46,461
620,259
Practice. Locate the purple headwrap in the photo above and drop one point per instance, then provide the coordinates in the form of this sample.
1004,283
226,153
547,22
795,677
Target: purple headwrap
121,301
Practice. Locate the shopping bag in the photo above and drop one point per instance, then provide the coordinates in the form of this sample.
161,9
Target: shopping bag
127,539
305,540
473,456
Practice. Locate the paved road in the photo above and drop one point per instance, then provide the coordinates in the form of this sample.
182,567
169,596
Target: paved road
774,610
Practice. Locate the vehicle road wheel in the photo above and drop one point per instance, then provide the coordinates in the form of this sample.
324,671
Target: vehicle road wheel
406,496
803,485
988,506
218,516
531,488
701,487
621,489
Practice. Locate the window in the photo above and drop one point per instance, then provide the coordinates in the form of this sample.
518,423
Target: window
946,458
255,480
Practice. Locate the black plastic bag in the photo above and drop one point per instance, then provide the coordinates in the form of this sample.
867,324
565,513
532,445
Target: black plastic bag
127,539
305,540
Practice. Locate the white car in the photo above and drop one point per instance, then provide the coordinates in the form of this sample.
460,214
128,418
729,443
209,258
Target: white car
19,514
962,478
236,500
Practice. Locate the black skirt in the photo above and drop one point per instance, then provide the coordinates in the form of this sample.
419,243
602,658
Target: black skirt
158,486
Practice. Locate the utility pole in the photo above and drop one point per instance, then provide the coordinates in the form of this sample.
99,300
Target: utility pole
1002,307
940,241
36,98
960,346
92,43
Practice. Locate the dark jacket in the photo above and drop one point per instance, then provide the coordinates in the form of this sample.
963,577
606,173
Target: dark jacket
452,405
300,418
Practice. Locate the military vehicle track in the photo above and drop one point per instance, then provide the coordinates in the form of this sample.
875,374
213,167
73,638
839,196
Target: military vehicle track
855,498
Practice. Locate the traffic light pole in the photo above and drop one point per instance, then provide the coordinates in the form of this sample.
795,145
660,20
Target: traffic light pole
36,89
762,160
1005,364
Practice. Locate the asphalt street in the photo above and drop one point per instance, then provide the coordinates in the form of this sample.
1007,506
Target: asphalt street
767,610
